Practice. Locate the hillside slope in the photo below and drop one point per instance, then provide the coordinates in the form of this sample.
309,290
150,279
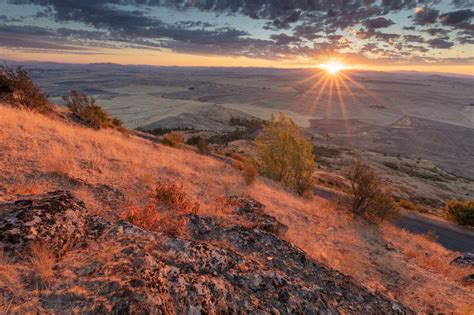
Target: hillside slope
112,172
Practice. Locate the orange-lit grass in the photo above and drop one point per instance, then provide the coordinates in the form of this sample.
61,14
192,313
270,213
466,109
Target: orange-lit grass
134,165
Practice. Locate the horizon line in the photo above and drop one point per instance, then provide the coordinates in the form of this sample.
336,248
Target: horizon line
19,62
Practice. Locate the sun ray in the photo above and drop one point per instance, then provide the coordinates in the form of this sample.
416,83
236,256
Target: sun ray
330,100
314,86
342,106
314,104
360,86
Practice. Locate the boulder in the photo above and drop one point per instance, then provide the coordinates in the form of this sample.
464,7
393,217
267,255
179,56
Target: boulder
56,219
253,211
465,260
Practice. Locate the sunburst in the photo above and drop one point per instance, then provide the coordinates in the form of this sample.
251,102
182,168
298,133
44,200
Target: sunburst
335,83
333,67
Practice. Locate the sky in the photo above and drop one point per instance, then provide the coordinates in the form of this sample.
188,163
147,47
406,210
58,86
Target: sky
420,35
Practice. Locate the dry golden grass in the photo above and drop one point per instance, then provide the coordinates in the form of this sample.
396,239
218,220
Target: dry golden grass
417,271
42,261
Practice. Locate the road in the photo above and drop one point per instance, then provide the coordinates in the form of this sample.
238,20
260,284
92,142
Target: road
451,236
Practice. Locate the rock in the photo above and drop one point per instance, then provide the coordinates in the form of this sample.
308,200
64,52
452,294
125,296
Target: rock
468,280
466,260
56,219
389,247
219,267
96,226
254,212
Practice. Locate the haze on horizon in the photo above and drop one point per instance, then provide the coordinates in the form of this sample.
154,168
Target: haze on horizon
431,35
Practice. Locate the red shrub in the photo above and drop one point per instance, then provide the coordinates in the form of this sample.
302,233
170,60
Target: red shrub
165,210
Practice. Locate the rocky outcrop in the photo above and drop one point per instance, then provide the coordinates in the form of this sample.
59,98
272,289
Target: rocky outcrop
216,268
253,211
56,219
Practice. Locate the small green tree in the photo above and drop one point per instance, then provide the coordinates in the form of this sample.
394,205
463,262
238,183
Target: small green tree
85,107
367,196
285,155
18,89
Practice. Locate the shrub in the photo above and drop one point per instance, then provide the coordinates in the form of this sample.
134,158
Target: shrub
326,151
251,125
173,139
246,129
85,107
18,89
461,212
165,211
162,131
407,204
249,171
413,205
285,155
200,143
367,196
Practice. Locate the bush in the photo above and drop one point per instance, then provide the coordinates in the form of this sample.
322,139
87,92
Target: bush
162,131
165,211
85,107
246,130
18,89
200,143
249,171
326,151
407,204
367,196
413,206
461,212
285,155
173,139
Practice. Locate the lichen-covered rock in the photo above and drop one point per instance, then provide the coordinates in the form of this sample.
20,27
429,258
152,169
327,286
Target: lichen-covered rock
225,268
465,260
253,211
56,219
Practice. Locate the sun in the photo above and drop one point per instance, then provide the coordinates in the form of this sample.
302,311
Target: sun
332,67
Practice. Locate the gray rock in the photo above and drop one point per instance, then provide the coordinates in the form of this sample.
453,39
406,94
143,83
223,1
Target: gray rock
465,260
254,212
56,219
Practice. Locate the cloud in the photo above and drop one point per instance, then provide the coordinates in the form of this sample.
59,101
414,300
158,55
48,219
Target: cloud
465,40
379,22
425,16
30,37
6,19
300,28
458,19
440,43
283,39
386,37
462,3
413,39
436,31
